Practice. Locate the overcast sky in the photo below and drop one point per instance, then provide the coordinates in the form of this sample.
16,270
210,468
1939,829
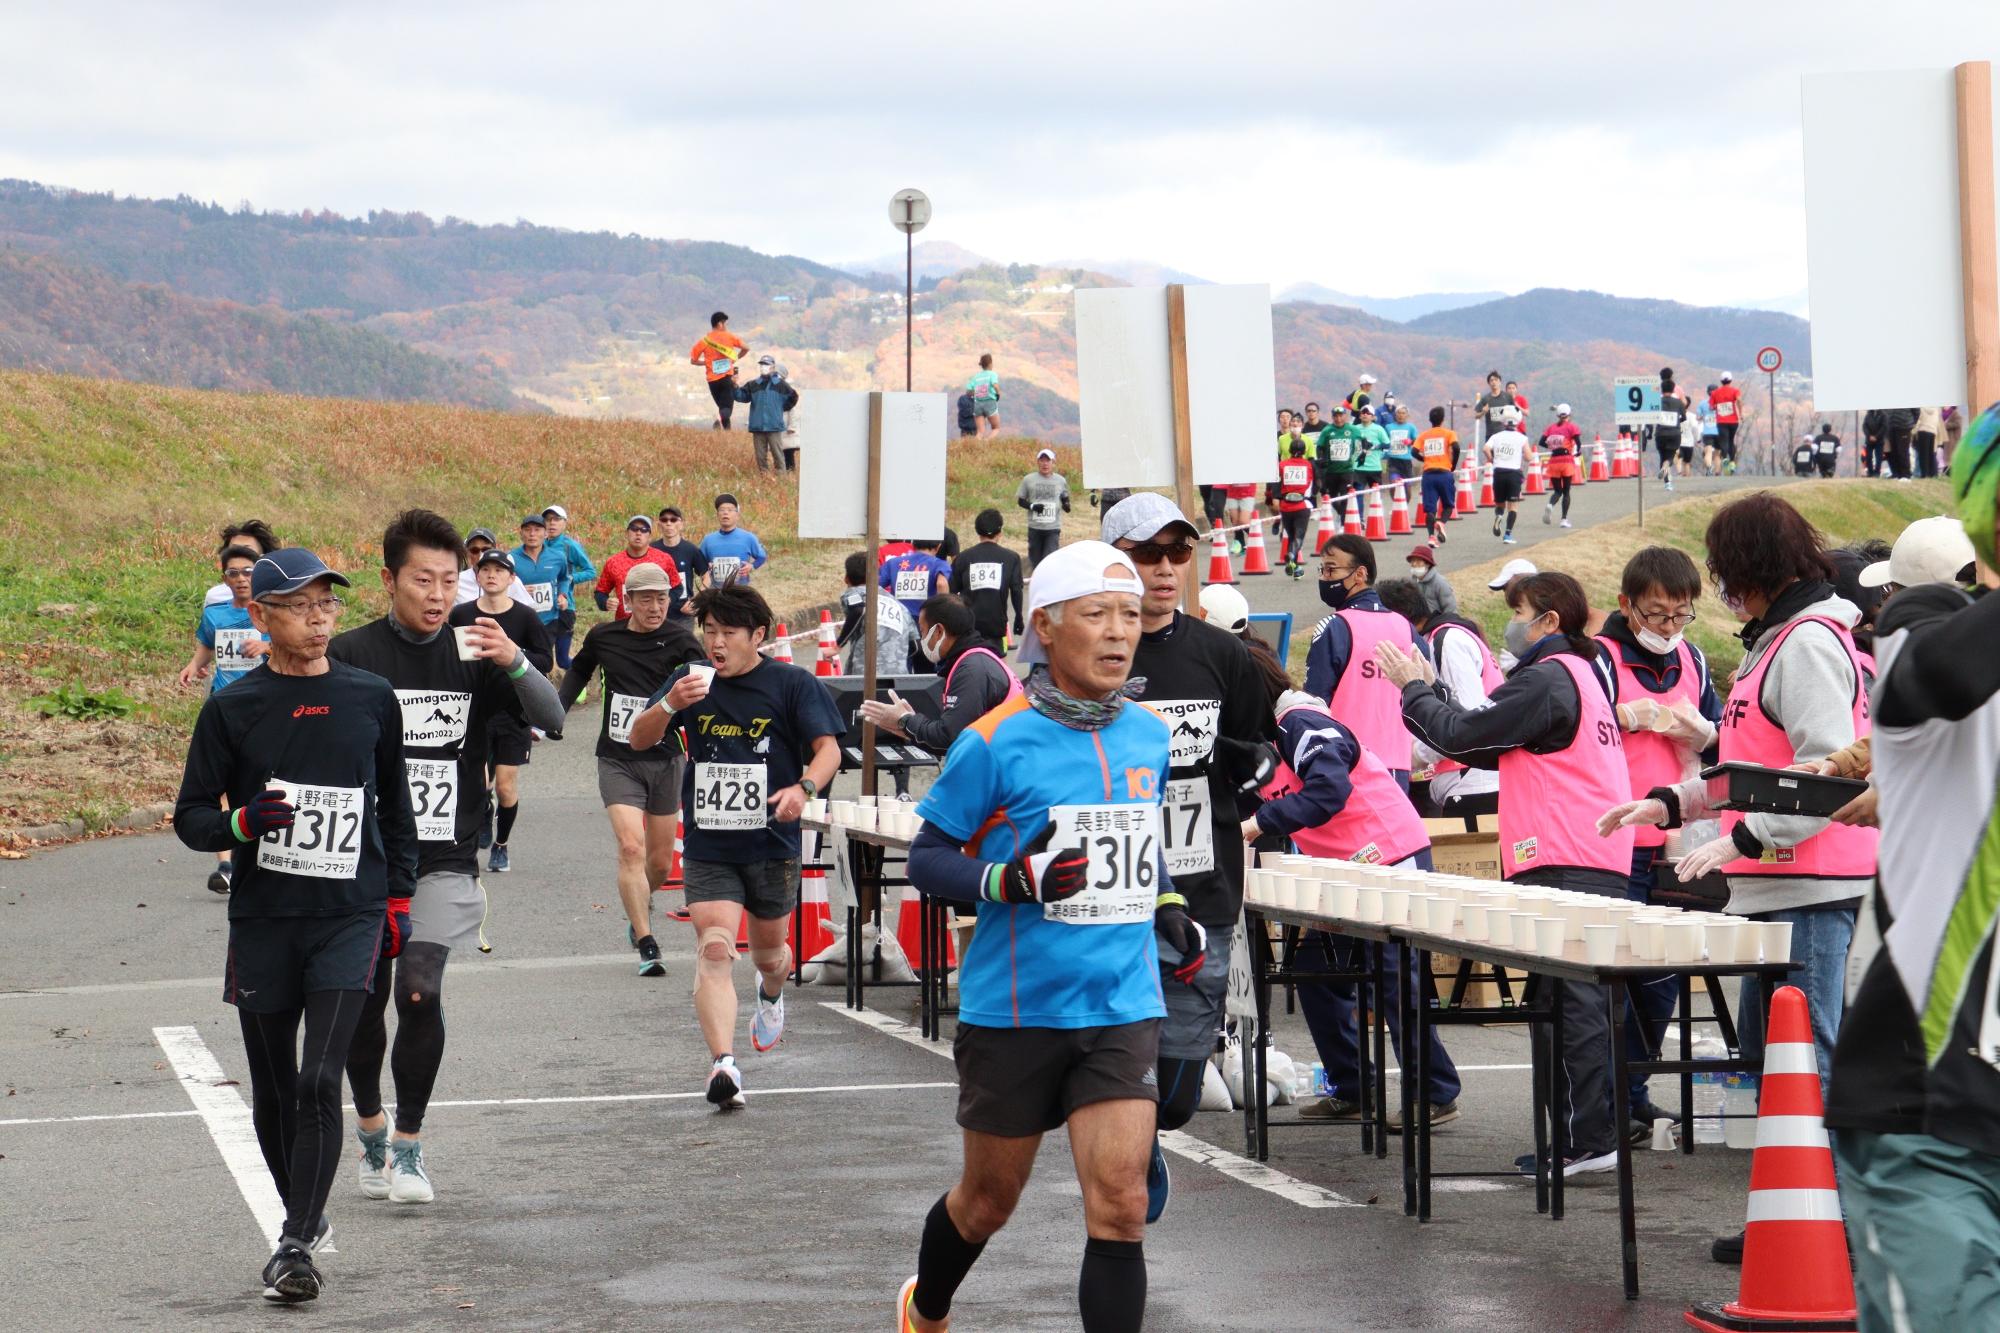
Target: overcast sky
1381,150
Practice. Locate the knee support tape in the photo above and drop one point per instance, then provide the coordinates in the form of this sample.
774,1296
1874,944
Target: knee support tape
772,960
718,947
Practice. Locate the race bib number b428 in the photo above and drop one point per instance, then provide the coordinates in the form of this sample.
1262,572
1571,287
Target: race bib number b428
730,797
1123,844
324,840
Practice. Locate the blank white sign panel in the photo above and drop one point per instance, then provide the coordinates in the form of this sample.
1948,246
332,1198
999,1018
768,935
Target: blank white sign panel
833,463
1883,272
1125,388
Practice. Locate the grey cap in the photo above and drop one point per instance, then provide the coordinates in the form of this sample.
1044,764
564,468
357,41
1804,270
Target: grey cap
1141,517
477,533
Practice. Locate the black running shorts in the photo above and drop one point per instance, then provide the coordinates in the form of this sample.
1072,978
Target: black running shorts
1018,1082
1506,485
275,962
508,740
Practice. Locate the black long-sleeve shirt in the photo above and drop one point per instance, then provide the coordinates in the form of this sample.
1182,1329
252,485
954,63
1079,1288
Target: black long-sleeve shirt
988,576
1535,709
978,686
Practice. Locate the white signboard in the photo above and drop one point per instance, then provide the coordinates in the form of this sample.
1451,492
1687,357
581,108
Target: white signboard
1888,325
833,465
1125,391
1635,401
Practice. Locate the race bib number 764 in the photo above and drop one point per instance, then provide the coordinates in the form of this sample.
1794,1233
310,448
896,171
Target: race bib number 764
1123,844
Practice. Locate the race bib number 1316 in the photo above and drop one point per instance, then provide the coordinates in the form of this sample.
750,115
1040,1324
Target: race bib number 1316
1123,843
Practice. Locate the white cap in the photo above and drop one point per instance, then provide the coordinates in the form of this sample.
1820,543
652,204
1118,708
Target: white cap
1726,377
1367,379
1049,454
1931,550
1513,569
1562,409
1226,607
1508,416
1070,572
558,511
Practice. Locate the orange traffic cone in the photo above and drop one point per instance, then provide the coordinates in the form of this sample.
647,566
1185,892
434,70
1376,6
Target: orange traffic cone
816,922
1350,511
781,650
1378,519
829,646
1486,487
1255,560
1468,490
909,934
1401,508
1323,525
1218,558
1531,483
1795,1269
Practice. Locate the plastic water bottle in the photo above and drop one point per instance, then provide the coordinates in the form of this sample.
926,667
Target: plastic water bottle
1739,1099
1320,1087
1709,1100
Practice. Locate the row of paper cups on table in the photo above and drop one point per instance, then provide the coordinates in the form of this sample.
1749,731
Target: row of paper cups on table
885,814
1556,923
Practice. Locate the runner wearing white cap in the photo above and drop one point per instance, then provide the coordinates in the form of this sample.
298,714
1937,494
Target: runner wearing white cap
1930,550
1044,493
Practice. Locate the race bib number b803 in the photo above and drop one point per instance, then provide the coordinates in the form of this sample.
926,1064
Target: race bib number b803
434,798
730,796
1190,827
324,840
913,585
1123,843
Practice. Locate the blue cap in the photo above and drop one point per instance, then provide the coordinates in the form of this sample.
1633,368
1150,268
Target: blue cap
288,569
535,520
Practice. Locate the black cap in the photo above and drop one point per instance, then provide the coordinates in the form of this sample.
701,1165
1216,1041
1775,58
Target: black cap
495,556
288,569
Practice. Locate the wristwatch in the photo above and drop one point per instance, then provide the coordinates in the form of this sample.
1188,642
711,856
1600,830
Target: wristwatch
809,787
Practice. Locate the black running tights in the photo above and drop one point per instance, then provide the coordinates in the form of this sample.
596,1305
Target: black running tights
1559,490
419,1049
295,1104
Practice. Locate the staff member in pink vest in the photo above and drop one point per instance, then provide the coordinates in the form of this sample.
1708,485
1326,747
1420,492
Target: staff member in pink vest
1668,708
1341,667
1552,731
1333,798
976,678
1466,667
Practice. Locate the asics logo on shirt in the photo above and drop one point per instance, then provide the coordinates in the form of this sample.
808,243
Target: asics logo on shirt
312,710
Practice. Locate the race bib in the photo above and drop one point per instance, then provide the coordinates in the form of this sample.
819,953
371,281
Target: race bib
433,719
434,798
1123,843
541,596
722,570
1190,827
1193,723
1435,447
324,840
620,712
229,645
913,585
730,796
721,365
1338,450
983,578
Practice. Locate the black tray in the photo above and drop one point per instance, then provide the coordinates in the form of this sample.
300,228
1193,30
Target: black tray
1710,893
1777,791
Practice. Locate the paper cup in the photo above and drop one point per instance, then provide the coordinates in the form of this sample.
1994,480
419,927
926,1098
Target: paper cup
462,636
865,816
1683,940
1444,916
1395,907
1500,926
1285,892
1340,897
1501,898
1600,945
1776,937
1549,936
1649,941
1472,921
703,673
1368,904
1663,1134
1724,940
816,809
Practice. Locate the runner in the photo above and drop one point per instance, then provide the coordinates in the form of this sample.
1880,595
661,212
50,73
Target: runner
228,644
1564,442
1438,447
1060,1000
581,574
447,699
1802,457
477,543
717,353
252,532
509,744
1667,439
1295,505
1826,449
1402,431
544,574
1337,664
984,387
1044,493
1335,454
687,557
1200,678
308,756
610,590
1551,732
916,576
1371,444
988,576
760,738
1726,401
1491,403
640,786
733,552
895,628
1505,450
1711,436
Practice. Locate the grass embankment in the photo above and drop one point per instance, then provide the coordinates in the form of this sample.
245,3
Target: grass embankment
1846,511
122,489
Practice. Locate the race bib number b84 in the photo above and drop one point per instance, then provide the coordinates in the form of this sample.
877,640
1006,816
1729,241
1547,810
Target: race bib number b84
730,797
1123,844
324,840
434,798
983,577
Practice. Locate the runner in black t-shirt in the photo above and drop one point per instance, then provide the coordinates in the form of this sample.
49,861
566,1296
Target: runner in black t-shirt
509,742
446,702
641,789
988,576
761,738
309,753
691,560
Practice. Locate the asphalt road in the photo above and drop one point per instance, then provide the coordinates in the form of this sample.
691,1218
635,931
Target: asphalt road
583,1184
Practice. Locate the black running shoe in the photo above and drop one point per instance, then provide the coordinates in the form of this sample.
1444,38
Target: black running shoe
290,1276
649,958
218,878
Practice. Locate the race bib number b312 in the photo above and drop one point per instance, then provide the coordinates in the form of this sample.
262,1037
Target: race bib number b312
324,840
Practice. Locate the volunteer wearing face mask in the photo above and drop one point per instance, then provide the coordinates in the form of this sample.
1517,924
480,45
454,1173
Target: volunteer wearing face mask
1340,666
1552,732
976,679
1433,587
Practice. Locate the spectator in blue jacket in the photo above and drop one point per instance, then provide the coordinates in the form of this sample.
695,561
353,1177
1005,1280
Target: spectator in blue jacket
770,396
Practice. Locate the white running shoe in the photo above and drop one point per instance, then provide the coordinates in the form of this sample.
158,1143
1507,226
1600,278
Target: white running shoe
767,1025
374,1162
725,1084
408,1181
1565,522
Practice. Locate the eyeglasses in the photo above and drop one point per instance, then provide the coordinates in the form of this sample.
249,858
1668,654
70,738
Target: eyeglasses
241,572
322,606
1152,553
1667,619
1337,574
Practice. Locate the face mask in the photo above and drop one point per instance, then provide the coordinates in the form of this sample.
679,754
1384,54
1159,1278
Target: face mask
1732,603
1654,643
934,644
1421,572
1521,636
1333,594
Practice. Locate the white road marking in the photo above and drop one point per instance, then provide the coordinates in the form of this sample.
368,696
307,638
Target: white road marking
86,1119
472,966
1200,1151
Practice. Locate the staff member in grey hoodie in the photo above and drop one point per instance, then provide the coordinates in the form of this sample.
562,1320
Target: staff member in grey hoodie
1044,493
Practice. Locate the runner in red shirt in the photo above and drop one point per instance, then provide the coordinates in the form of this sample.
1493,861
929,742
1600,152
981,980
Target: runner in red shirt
1295,502
1727,401
1562,441
1240,507
639,550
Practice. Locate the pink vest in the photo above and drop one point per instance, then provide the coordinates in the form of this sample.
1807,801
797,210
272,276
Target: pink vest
1652,759
1839,851
1549,803
1365,701
1013,681
1378,824
1489,677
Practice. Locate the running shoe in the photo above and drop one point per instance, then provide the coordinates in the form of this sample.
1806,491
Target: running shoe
1580,1164
1727,1249
1441,536
408,1181
904,1324
1548,515
1565,523
374,1162
1496,525
496,860
649,958
725,1084
767,1025
1508,540
218,878
289,1276
1159,1184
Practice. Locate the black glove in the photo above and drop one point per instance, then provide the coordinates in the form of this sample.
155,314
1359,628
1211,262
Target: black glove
1248,764
1040,877
396,929
265,812
1183,934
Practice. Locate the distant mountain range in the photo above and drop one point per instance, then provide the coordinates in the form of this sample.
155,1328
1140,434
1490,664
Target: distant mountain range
1718,335
1398,308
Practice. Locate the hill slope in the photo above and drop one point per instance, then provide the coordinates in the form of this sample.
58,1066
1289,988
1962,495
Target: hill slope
1716,336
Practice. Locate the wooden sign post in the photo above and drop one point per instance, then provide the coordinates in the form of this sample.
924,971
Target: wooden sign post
870,611
1184,487
1973,84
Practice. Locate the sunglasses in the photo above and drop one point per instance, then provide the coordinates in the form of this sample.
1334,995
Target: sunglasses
1152,553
